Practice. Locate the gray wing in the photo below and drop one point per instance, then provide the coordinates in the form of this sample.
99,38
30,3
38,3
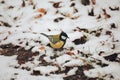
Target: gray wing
53,38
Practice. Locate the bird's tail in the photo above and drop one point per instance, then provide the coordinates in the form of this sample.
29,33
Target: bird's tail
44,34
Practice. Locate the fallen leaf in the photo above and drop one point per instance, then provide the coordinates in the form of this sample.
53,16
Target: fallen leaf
38,16
114,9
49,29
23,3
106,14
91,13
109,33
72,5
5,24
81,40
113,26
93,2
66,14
70,53
85,2
56,5
111,57
99,16
42,48
58,19
75,17
42,10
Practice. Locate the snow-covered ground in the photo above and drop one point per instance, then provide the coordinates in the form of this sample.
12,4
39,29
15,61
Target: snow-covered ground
98,23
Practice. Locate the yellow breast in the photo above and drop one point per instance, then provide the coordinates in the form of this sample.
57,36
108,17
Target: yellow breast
57,45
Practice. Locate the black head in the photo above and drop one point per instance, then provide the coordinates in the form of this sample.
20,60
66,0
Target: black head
63,36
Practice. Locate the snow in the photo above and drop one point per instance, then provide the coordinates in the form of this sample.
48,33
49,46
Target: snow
74,62
112,68
28,25
62,59
7,72
72,72
46,69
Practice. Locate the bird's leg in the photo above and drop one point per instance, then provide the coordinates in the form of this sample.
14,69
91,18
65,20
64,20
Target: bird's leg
55,53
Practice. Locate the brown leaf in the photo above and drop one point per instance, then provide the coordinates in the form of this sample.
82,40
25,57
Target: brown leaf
66,15
2,2
5,24
81,40
71,48
70,53
109,33
49,29
75,17
97,34
99,16
10,7
36,72
34,6
75,10
106,14
23,3
15,18
93,2
85,2
111,57
91,13
72,5
113,47
42,48
38,16
113,25
5,38
58,19
31,2
57,5
114,9
42,10
9,32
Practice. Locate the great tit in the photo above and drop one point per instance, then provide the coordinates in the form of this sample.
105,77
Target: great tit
57,41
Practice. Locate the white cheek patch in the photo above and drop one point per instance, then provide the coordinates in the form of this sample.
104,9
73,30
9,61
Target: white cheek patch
63,37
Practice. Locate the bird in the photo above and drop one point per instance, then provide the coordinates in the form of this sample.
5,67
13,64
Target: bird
57,41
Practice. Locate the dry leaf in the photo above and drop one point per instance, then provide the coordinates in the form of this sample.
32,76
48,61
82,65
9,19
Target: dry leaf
85,2
75,17
23,3
38,16
93,2
42,48
42,10
81,40
75,10
106,14
49,29
58,19
70,53
5,24
114,9
66,14
113,26
91,13
57,5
